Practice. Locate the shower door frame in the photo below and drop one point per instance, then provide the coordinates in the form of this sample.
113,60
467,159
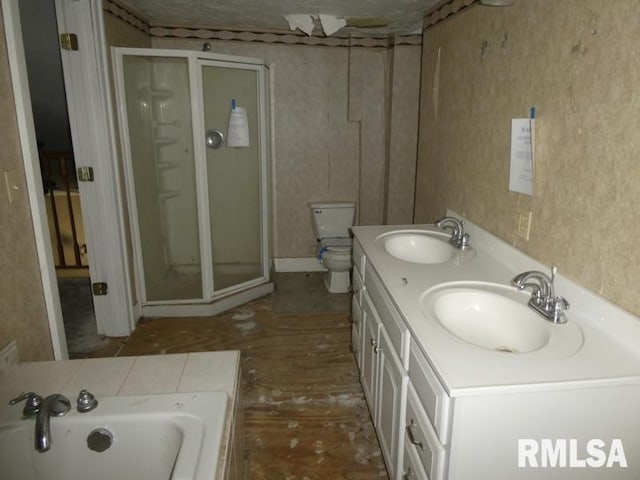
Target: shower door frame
196,62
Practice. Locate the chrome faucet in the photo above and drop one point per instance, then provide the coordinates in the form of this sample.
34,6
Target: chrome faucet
459,239
543,298
54,405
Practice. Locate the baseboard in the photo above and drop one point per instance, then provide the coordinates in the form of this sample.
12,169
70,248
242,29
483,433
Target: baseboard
309,264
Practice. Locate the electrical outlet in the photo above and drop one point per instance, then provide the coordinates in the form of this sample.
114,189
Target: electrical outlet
523,223
8,356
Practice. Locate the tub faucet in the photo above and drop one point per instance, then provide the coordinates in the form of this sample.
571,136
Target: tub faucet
459,239
543,298
54,405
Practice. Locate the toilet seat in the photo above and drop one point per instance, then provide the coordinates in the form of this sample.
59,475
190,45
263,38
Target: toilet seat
336,245
335,254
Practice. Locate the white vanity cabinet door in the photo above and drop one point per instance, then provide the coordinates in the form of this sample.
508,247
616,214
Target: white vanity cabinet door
391,403
390,318
358,284
356,332
369,370
359,259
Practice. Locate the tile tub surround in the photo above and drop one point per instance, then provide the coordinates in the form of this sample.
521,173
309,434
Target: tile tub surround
176,373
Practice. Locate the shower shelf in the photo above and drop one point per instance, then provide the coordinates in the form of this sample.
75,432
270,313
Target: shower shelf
147,92
165,141
167,194
159,92
167,165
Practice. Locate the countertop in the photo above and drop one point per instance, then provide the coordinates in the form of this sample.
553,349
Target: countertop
609,355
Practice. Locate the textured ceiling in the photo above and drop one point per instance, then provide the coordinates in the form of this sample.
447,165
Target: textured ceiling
405,16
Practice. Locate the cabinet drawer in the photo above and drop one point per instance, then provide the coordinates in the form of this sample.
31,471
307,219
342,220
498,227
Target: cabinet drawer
358,284
359,259
421,437
412,468
431,393
389,316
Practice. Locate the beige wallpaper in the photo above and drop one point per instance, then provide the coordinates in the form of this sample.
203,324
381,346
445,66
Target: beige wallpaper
23,315
578,63
330,124
403,133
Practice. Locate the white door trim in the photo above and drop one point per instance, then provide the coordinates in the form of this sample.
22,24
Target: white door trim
26,131
92,131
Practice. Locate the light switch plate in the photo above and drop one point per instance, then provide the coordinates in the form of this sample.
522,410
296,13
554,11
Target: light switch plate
523,223
11,182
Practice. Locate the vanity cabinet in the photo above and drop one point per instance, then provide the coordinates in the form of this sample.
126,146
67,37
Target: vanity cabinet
446,409
404,415
384,382
377,344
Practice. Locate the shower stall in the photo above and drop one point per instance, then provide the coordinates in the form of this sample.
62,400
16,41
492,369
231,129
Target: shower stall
198,206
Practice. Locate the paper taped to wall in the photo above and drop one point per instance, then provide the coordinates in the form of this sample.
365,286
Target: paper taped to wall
522,158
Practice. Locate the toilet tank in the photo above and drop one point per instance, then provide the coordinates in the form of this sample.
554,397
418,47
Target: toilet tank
332,219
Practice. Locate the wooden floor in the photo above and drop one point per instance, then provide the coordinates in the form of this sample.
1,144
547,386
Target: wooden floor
304,413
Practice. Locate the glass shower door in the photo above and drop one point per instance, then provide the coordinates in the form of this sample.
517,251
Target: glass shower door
234,177
163,176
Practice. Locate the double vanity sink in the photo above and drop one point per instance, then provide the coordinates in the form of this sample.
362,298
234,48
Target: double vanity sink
488,315
458,365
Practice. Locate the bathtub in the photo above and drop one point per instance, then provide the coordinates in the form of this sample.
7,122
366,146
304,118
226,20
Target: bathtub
174,436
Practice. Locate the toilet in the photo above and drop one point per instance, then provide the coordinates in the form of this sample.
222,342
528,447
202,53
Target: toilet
331,223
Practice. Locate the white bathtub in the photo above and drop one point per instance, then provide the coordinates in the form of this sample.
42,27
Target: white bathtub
174,436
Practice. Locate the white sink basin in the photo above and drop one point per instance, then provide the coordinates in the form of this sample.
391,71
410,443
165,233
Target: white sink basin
496,317
418,246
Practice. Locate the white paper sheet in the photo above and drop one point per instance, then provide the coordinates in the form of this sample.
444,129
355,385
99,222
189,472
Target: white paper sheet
522,155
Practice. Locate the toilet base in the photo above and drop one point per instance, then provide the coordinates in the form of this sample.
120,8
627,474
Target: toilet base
337,282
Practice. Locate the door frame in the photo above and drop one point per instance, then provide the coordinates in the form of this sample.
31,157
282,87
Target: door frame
91,120
30,159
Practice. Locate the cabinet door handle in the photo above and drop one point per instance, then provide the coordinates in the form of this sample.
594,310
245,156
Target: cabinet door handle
412,439
373,342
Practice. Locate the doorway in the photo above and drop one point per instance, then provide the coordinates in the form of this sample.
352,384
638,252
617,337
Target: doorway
58,174
90,117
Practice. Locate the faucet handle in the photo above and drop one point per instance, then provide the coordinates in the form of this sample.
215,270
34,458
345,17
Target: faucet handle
86,401
560,304
32,405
